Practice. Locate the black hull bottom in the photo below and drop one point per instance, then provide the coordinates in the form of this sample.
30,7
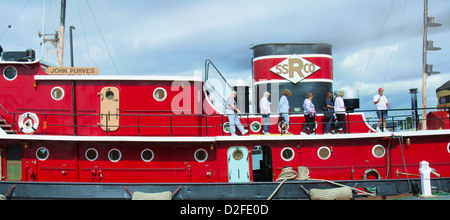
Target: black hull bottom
290,190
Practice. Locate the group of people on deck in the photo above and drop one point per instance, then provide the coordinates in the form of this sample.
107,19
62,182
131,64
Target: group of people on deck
333,109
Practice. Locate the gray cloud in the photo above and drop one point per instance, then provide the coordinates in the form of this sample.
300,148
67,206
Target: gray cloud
175,37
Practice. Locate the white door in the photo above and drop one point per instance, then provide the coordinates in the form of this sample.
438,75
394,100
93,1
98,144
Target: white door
238,165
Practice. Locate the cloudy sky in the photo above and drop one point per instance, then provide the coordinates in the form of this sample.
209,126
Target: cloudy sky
174,37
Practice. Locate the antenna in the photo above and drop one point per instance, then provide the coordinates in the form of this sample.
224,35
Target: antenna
43,29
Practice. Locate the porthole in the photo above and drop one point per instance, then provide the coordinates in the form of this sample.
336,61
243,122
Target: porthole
255,126
378,151
10,73
448,147
226,127
109,95
201,155
238,154
324,153
42,153
91,154
114,155
147,155
159,94
57,93
287,154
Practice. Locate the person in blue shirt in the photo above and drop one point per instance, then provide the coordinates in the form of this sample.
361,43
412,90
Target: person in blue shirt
329,113
283,108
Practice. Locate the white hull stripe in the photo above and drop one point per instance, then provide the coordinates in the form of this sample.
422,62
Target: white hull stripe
222,138
112,77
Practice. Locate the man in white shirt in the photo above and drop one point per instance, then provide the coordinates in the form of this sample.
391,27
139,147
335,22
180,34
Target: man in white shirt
264,105
382,106
340,110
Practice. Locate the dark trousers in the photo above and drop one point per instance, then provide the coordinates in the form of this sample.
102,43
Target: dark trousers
310,123
331,125
341,123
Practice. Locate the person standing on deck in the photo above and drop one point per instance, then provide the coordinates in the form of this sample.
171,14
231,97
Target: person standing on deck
340,109
382,106
329,113
283,108
231,110
264,105
310,114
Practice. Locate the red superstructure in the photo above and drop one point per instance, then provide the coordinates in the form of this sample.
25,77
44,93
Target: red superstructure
145,129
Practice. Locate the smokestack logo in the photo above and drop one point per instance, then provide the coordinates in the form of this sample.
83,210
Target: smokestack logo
295,69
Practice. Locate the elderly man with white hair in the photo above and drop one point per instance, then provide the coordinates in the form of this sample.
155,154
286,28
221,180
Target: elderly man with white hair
231,110
264,105
340,110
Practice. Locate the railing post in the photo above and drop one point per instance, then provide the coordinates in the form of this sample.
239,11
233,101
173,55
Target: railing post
171,131
223,133
107,129
347,128
45,120
206,124
14,123
393,124
248,125
139,127
448,118
416,119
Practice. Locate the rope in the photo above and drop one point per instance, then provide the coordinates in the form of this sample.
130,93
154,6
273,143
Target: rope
103,38
14,20
153,196
84,34
393,46
289,174
286,174
376,44
303,173
338,184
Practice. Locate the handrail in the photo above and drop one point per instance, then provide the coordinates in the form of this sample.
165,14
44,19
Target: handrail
4,109
209,62
240,114
167,121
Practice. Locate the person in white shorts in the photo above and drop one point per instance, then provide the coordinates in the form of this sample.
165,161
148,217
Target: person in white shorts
382,104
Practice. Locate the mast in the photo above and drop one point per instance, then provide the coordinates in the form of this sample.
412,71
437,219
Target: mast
426,69
61,33
424,64
57,39
43,29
